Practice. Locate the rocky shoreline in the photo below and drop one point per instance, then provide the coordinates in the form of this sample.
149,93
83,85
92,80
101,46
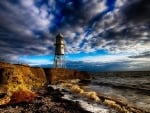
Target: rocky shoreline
18,83
48,101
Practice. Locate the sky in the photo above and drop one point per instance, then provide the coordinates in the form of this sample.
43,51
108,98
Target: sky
100,35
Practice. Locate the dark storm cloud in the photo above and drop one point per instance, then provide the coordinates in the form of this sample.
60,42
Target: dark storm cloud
29,27
111,66
138,11
126,29
20,29
142,55
95,66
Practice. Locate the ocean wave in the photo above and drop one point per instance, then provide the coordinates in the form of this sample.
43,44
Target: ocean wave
83,94
141,89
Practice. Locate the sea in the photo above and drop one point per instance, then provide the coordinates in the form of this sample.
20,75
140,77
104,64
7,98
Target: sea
132,88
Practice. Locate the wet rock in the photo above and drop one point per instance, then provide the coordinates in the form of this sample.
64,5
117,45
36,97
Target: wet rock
2,95
50,102
85,81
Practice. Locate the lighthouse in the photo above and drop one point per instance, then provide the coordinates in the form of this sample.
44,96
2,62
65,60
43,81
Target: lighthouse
59,58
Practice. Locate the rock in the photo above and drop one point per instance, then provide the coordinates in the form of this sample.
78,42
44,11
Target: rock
56,74
22,96
2,95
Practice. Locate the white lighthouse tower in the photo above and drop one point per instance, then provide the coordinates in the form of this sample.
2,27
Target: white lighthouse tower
59,59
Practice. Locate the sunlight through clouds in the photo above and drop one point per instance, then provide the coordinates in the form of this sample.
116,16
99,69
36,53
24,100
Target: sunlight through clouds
120,27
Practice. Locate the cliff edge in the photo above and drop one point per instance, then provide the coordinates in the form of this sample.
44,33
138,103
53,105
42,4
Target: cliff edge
15,76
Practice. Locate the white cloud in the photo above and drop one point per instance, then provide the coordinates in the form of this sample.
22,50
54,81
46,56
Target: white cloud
112,62
105,58
30,18
97,7
120,3
27,3
36,18
39,62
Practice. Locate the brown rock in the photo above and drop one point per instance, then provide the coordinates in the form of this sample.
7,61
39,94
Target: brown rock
56,74
22,96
